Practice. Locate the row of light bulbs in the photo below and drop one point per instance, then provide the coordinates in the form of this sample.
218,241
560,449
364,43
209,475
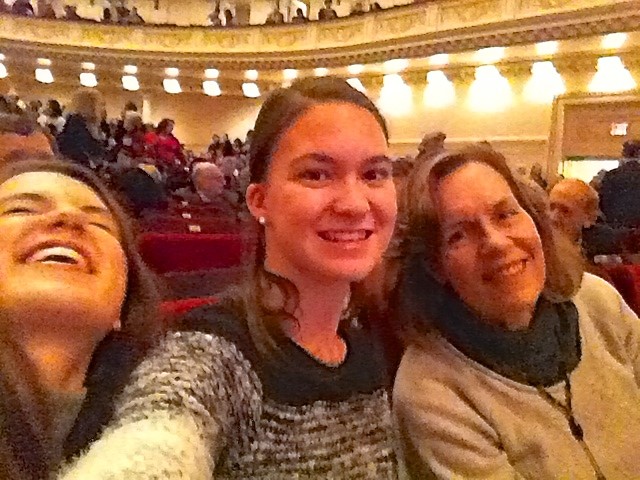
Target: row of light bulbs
487,57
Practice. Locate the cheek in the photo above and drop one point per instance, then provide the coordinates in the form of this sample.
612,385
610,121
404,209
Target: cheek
459,269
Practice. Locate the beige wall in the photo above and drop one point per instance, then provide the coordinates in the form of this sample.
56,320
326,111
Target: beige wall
520,131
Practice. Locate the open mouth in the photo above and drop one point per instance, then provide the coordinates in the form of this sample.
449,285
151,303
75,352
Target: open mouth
58,255
346,236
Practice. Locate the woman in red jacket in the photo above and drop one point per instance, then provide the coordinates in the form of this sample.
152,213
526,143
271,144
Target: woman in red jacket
165,147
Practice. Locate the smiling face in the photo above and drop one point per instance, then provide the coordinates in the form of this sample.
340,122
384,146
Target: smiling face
61,256
491,253
329,201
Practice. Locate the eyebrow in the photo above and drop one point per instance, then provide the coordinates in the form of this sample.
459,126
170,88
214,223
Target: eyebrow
37,197
34,197
324,158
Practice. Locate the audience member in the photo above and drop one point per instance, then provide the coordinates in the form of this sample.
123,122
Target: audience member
164,146
275,17
509,344
52,116
23,8
214,17
71,13
574,207
20,135
75,313
357,8
229,20
134,17
299,17
141,187
327,12
46,10
80,140
315,357
619,199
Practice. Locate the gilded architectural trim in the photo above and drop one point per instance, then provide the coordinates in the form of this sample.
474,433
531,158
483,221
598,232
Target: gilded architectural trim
416,30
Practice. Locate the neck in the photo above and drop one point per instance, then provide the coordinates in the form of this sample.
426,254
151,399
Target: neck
59,362
320,306
514,320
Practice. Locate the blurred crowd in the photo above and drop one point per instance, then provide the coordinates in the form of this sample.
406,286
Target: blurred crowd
144,161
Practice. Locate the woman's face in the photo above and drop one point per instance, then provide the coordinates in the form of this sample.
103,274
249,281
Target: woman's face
329,201
61,255
491,253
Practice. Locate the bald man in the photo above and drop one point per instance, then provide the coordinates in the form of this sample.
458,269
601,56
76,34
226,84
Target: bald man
574,206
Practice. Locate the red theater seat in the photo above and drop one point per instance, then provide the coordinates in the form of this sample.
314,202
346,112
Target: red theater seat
626,279
176,252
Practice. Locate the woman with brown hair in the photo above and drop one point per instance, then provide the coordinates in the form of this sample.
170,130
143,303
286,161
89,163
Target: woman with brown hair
517,367
77,311
290,379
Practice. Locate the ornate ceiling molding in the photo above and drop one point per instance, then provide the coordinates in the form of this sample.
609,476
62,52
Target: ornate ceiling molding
417,30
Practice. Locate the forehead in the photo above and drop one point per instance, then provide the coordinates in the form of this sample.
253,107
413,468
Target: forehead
470,189
52,185
340,130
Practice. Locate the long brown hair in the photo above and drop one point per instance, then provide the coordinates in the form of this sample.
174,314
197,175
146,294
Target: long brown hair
26,410
422,244
278,113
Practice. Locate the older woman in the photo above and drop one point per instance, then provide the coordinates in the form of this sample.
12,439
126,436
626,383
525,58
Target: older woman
76,311
516,367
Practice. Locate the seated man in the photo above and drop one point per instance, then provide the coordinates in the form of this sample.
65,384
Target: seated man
327,12
208,188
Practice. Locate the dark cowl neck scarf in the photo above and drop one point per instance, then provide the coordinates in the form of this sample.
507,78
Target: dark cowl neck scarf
542,355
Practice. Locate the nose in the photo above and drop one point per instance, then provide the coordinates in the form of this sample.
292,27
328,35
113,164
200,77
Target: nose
351,198
67,217
495,239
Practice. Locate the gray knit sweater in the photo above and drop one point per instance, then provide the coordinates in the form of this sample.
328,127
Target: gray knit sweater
205,405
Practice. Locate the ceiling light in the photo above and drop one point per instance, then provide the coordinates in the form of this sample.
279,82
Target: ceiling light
250,90
130,83
88,79
439,59
171,85
546,48
611,77
321,72
490,55
130,69
172,72
355,69
290,74
3,71
88,66
45,62
211,73
251,75
439,91
44,75
395,65
614,41
211,88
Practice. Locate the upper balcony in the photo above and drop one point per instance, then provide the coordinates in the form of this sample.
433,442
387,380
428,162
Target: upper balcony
410,31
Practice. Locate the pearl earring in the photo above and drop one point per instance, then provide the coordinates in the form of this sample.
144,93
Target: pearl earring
262,221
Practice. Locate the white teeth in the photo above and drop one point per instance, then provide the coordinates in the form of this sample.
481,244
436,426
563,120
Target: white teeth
56,255
349,236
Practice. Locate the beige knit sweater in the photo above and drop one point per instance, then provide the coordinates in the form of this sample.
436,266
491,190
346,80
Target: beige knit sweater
462,420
